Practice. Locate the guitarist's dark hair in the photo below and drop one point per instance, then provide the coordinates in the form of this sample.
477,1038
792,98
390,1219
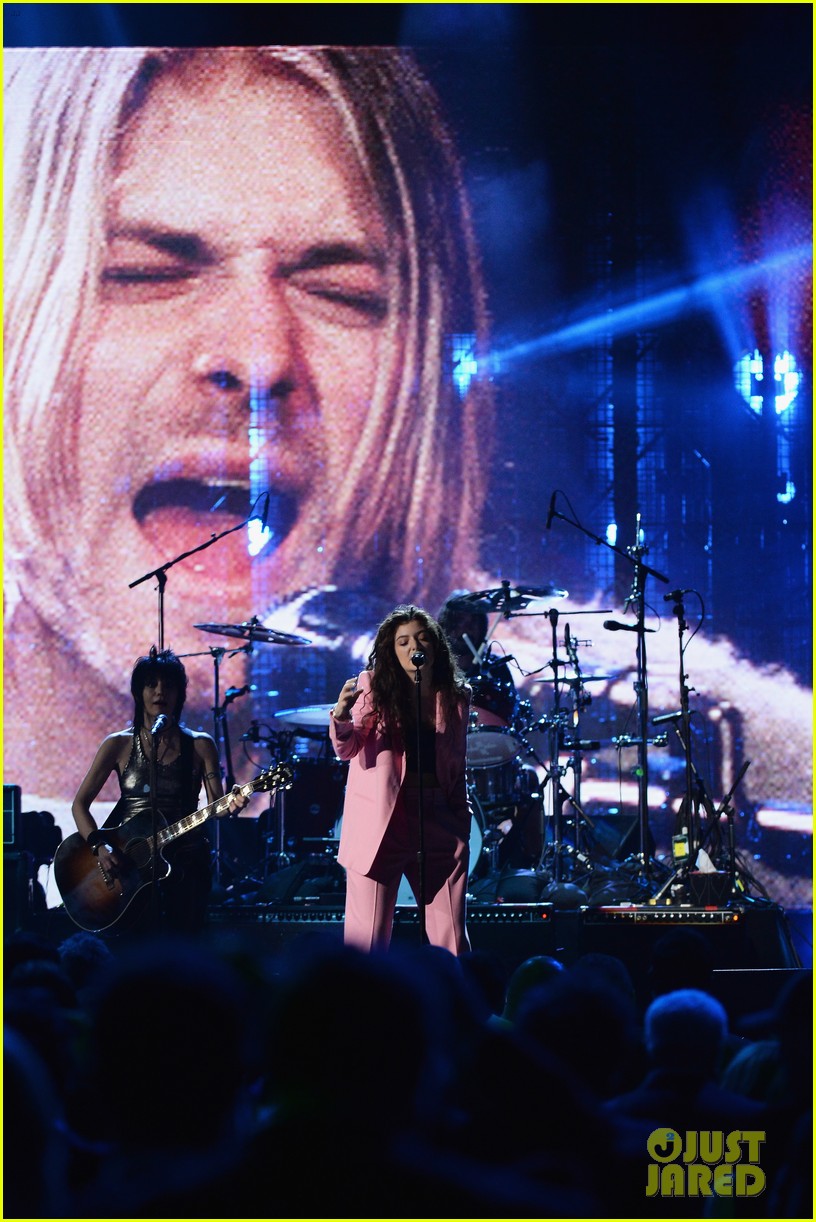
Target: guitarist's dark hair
147,669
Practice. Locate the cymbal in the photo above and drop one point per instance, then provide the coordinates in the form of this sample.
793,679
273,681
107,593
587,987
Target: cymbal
548,591
310,715
254,630
507,597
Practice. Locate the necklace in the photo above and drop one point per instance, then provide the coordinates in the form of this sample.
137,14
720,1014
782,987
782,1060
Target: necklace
165,745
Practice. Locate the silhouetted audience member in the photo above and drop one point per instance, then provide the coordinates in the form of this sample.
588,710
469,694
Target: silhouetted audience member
85,958
25,946
683,959
684,1033
536,970
777,1069
489,977
596,965
589,1025
787,1026
35,1160
170,1054
40,1004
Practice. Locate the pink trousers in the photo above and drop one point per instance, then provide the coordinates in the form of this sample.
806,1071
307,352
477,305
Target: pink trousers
371,898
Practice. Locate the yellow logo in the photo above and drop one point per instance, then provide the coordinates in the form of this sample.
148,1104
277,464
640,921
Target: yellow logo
705,1163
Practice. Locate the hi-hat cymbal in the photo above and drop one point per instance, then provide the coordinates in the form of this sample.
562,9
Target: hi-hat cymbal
254,630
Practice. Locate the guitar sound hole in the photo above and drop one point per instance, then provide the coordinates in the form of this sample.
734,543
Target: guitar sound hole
139,854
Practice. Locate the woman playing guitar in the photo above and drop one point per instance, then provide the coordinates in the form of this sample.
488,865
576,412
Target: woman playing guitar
184,760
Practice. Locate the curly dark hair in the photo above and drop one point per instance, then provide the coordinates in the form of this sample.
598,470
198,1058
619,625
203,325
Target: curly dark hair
393,699
147,669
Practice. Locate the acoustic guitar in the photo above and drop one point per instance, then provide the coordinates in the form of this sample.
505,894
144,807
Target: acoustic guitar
96,899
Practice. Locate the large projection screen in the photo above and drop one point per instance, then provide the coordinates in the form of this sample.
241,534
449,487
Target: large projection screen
399,304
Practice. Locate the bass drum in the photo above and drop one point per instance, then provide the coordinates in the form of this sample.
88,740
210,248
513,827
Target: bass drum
406,896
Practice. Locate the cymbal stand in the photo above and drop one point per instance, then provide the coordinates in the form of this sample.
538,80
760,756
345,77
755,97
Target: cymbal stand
636,599
688,839
580,700
272,823
555,770
221,734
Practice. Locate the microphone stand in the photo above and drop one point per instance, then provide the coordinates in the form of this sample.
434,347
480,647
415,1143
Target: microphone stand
637,597
421,849
554,770
219,711
161,572
155,905
642,693
161,577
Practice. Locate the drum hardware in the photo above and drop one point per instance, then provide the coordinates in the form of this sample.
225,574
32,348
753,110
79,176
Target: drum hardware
583,679
690,839
629,740
312,716
507,599
637,599
557,858
254,631
320,777
221,736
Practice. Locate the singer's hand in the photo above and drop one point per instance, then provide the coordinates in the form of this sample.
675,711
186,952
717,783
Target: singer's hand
349,695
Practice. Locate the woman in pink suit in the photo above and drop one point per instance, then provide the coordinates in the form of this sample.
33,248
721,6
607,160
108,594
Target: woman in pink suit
374,726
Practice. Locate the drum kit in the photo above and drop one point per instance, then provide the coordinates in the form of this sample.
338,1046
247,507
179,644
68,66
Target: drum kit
530,837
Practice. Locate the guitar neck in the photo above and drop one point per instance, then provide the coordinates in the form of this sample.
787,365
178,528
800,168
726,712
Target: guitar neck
218,807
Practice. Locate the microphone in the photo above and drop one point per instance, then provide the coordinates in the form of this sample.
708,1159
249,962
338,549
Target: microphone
612,625
665,717
260,517
159,725
551,513
418,659
675,595
232,693
566,637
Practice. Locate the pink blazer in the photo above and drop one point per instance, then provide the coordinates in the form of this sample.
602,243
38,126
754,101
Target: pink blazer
376,771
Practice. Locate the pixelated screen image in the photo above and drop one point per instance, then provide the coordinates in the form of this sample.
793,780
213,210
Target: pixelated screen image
294,334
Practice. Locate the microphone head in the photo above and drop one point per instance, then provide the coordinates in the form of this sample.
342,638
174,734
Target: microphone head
159,724
418,658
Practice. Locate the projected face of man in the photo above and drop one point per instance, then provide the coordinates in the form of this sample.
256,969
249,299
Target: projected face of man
244,275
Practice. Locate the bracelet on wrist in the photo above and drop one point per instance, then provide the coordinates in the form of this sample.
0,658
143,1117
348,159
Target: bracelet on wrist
95,838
